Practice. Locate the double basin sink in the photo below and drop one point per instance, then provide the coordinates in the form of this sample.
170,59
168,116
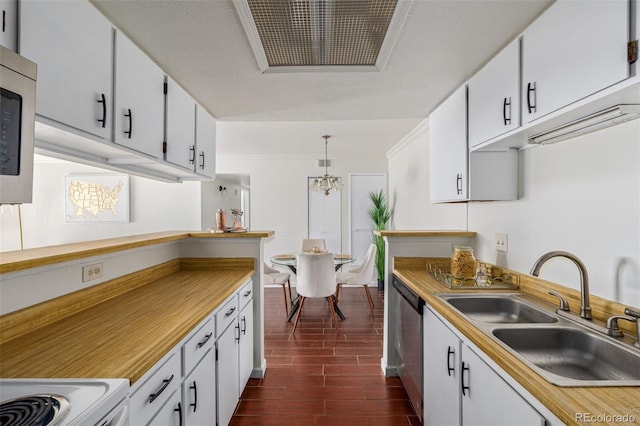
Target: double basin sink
562,351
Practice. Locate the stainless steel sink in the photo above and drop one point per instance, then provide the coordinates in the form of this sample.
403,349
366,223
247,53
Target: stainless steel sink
562,350
498,309
572,357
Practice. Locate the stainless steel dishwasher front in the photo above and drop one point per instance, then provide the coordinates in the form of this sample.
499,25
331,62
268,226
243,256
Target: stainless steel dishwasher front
409,342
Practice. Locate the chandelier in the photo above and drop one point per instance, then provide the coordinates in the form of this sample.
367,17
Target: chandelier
326,183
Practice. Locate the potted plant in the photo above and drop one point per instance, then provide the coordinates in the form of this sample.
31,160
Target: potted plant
380,215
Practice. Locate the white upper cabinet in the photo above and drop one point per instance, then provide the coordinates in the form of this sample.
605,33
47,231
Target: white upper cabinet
573,50
181,126
459,175
494,101
9,24
139,99
448,148
205,143
72,44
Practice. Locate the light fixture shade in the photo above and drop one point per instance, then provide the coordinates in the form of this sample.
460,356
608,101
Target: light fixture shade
327,183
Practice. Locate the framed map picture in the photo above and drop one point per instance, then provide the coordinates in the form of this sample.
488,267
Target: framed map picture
97,198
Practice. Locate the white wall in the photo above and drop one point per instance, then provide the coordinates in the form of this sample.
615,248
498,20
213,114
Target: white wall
279,192
213,199
580,195
409,192
155,206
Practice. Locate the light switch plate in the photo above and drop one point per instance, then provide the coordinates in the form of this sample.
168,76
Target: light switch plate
501,242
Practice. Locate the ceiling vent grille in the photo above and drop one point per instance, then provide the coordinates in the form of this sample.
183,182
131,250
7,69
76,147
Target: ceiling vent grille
321,163
321,35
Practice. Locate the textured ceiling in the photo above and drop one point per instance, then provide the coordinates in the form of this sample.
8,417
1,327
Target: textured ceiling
202,45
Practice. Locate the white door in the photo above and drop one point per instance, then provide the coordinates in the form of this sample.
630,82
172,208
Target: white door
360,227
325,218
488,400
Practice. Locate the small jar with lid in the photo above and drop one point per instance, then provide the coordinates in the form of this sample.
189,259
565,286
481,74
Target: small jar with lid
463,263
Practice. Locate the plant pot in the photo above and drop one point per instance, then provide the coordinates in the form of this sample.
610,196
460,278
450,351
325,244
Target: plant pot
380,285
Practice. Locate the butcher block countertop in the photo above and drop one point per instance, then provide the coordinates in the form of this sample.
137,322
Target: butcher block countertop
126,335
17,260
564,402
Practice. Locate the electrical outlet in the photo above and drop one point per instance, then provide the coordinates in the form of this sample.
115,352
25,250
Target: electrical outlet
501,242
91,272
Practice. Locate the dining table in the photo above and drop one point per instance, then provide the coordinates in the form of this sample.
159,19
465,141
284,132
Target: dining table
289,260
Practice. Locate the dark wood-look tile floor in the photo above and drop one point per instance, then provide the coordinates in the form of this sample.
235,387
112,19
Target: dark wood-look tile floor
322,377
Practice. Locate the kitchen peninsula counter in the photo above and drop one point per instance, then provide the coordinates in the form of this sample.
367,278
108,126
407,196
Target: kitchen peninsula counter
124,336
564,402
18,260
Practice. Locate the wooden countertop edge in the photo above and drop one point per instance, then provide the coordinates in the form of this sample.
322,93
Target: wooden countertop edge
423,233
18,260
563,402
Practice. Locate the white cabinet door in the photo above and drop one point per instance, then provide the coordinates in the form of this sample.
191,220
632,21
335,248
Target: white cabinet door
448,148
494,102
205,142
171,414
246,346
489,400
72,44
181,126
199,393
9,29
574,49
227,372
139,111
441,394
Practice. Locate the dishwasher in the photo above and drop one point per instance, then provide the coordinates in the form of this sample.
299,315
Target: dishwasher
408,342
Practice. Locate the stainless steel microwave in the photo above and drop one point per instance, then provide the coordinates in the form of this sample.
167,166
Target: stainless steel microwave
17,127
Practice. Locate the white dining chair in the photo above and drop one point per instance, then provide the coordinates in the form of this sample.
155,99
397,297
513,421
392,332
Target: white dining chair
309,243
316,277
274,276
359,275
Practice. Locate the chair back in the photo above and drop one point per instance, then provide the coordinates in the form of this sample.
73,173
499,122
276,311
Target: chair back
268,269
309,243
316,275
364,273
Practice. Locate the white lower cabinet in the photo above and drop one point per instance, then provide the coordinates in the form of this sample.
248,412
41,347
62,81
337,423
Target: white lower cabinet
199,382
149,398
199,393
245,355
227,347
462,389
171,413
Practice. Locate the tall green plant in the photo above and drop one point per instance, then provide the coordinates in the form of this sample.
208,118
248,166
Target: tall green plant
380,214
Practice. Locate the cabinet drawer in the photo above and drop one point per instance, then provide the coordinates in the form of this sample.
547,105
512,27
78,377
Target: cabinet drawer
246,294
151,396
198,345
226,314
